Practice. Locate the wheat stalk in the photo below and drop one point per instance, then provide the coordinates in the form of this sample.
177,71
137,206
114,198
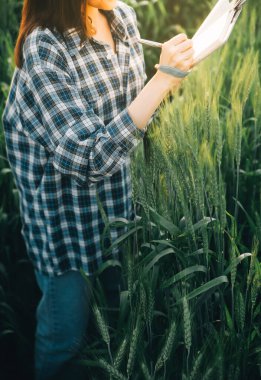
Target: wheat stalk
150,307
255,290
120,354
187,327
130,273
143,301
208,374
101,325
145,372
196,366
240,311
103,328
113,372
167,348
133,347
252,262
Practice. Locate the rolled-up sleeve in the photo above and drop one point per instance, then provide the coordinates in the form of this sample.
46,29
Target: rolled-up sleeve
83,147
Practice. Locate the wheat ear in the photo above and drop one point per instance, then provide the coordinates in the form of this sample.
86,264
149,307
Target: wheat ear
167,348
113,372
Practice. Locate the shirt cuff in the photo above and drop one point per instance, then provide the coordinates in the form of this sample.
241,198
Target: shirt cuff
124,131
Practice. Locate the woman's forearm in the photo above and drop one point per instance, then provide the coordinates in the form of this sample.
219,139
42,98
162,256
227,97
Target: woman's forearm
150,97
177,52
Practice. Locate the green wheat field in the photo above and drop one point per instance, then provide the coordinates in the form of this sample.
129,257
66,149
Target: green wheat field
190,305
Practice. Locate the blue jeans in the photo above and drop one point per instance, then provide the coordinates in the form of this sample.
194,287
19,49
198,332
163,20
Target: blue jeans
62,317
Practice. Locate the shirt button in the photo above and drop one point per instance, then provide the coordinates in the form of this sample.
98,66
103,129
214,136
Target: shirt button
108,56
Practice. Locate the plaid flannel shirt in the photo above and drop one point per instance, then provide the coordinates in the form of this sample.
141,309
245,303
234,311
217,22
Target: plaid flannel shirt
69,135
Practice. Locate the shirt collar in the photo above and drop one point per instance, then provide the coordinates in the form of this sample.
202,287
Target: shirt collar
117,25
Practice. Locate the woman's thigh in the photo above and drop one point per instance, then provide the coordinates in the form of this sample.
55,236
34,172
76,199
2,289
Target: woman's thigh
62,318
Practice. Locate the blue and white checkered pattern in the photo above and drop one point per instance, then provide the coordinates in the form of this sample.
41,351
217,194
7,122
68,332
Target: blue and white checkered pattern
68,134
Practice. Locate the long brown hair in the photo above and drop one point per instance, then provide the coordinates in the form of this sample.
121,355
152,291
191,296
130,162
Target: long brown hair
58,14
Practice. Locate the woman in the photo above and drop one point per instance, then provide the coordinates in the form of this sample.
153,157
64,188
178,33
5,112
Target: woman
77,107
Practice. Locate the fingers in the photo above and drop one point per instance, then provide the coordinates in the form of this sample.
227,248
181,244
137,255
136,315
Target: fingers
176,40
178,59
186,55
189,64
184,46
178,52
178,44
183,62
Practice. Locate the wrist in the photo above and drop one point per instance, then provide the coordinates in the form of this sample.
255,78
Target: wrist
167,82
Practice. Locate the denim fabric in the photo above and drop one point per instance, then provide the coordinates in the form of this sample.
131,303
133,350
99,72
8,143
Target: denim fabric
63,315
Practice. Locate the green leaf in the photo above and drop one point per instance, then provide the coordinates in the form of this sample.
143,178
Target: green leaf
200,251
147,245
199,225
87,279
6,332
87,363
229,320
164,242
107,264
184,273
123,310
237,261
204,288
122,222
203,223
163,222
250,220
255,173
157,258
122,238
5,171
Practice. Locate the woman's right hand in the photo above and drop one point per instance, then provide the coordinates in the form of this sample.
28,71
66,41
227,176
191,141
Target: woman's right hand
177,52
